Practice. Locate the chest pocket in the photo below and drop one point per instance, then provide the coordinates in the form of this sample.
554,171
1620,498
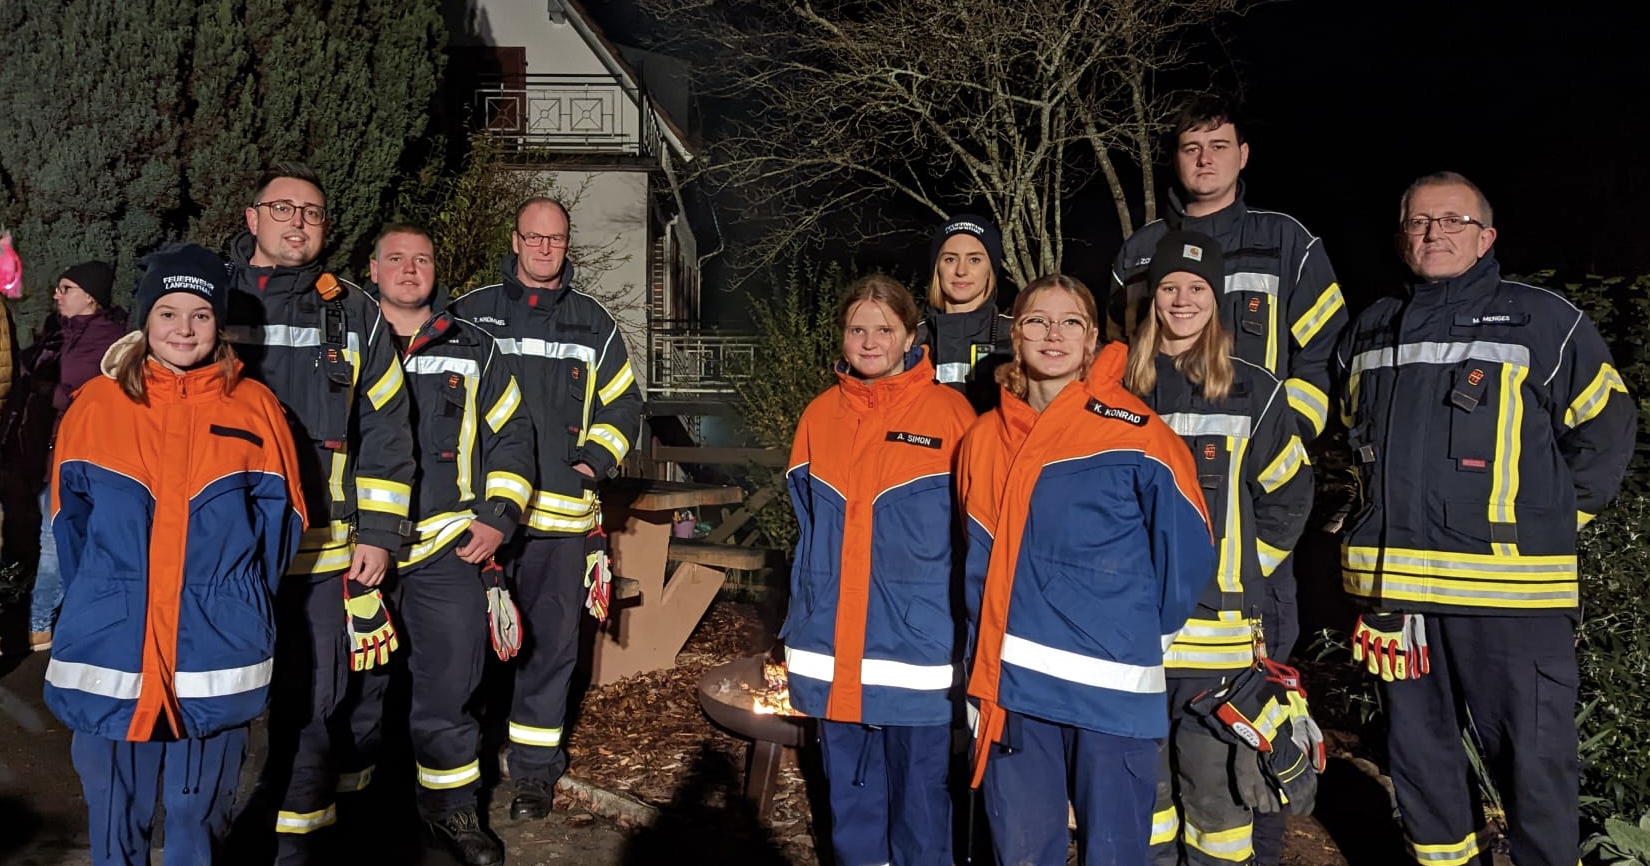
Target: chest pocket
1485,393
1213,458
446,418
1252,291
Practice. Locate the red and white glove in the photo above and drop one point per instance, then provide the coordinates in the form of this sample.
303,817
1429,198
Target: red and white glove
503,619
598,572
1392,646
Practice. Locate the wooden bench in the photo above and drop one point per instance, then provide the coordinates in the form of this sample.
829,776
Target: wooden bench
720,555
663,605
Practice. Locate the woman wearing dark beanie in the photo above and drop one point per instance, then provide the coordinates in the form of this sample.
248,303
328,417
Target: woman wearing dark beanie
965,331
66,354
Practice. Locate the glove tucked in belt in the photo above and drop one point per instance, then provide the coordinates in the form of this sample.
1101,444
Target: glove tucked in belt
598,571
1392,646
371,633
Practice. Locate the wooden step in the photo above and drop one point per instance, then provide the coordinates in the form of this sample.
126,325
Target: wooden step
720,555
626,588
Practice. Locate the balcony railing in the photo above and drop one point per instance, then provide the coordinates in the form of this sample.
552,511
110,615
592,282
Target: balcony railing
688,364
577,114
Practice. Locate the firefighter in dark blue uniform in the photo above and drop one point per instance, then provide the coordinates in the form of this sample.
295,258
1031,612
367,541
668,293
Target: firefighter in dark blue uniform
475,456
1489,424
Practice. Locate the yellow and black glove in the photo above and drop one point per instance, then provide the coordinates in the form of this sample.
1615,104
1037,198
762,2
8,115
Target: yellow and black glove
371,633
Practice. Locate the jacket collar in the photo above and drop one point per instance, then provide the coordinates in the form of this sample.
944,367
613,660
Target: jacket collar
515,288
268,280
898,388
1479,282
161,385
1218,225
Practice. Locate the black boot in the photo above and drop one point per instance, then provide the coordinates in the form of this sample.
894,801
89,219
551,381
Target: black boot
462,835
533,800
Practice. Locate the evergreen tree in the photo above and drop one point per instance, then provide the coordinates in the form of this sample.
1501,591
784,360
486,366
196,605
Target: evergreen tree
131,122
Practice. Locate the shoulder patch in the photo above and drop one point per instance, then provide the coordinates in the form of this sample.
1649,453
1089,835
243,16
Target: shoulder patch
917,439
1116,413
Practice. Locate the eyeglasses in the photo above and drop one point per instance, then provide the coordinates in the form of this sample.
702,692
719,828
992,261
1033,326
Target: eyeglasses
281,211
64,290
1038,328
537,240
1449,225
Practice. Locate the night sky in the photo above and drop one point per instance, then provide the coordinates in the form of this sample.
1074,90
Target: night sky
1348,100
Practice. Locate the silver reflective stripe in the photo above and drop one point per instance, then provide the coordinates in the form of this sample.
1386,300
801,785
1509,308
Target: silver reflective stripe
425,364
1514,568
285,336
1223,631
1234,658
872,672
1364,584
217,684
1081,669
537,348
1440,353
1198,424
956,371
1266,284
94,680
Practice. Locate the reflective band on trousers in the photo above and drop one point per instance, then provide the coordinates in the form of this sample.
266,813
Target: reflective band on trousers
442,780
1083,670
1449,853
305,822
126,685
1235,845
531,736
872,672
1165,826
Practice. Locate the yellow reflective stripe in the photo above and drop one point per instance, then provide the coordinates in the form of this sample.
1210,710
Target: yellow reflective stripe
1447,854
1235,657
323,549
349,783
505,407
544,500
385,497
387,386
305,822
1593,398
1309,401
1312,321
467,443
435,532
1284,466
445,780
1231,545
335,479
1273,718
1212,631
509,485
1508,446
1583,518
609,437
1270,557
1165,826
1234,845
616,387
551,523
1460,579
531,736
1271,302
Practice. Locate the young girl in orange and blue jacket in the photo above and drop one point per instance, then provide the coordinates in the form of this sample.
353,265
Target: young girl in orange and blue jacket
1088,546
176,509
870,636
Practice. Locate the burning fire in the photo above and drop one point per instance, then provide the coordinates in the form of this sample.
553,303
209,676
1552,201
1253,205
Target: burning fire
775,699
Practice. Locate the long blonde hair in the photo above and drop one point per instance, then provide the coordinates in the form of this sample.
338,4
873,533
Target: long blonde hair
1207,364
1012,376
128,371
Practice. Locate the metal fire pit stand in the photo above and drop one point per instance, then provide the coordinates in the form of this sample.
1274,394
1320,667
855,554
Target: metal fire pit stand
770,735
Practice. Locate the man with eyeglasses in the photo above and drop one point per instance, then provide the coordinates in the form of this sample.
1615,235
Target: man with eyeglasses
321,345
1282,305
1489,424
576,383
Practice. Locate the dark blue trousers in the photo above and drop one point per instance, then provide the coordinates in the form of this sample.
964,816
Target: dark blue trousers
889,801
1281,614
548,576
195,778
1110,780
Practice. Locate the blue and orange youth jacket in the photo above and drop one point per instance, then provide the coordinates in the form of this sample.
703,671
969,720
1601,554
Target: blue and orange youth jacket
1088,547
174,521
871,635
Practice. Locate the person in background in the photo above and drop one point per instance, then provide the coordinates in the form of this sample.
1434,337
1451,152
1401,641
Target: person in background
177,510
1257,485
965,332
870,635
1088,548
66,355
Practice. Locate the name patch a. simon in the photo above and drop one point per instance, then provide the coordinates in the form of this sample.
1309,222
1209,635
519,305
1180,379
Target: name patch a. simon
918,439
1116,413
